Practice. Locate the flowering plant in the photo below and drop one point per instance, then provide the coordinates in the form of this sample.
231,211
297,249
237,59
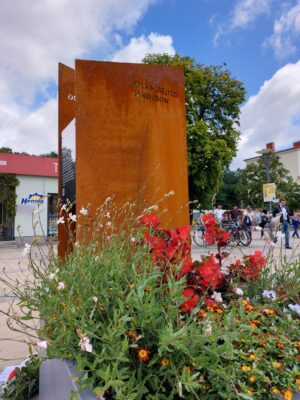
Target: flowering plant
143,321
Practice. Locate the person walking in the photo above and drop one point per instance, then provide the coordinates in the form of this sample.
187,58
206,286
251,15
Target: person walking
247,221
284,213
218,212
262,219
295,223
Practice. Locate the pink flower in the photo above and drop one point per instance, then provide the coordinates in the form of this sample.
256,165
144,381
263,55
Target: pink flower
85,344
61,286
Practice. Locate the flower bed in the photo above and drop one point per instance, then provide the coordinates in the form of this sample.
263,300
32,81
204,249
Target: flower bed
143,321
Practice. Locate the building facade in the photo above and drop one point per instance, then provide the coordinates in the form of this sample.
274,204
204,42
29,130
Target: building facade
290,158
36,197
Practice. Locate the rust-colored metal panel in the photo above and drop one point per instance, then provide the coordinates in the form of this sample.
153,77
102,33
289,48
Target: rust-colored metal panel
131,137
66,113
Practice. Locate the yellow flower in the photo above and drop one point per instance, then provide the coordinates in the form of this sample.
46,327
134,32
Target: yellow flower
277,364
250,390
143,354
252,378
275,390
288,394
245,368
252,356
164,362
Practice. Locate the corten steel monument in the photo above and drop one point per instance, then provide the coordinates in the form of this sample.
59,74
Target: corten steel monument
130,137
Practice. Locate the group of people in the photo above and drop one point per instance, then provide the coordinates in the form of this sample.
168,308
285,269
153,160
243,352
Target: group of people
246,218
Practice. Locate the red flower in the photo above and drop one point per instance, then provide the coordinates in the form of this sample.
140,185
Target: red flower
186,267
12,374
253,264
182,233
190,304
150,220
210,273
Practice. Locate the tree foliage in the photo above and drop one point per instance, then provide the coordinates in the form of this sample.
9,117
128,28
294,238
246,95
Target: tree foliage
213,98
228,194
254,176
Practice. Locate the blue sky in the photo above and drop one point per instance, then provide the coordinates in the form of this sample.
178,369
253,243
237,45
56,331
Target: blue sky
257,39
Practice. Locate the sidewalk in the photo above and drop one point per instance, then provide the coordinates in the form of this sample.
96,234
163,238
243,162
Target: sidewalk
13,349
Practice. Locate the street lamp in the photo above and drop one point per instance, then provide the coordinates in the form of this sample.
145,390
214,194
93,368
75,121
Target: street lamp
266,157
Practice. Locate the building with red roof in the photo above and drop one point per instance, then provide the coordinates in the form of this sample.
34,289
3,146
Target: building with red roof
36,197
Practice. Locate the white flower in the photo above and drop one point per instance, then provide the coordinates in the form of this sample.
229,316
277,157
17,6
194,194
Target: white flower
108,214
43,345
208,329
269,294
85,344
52,276
132,240
95,299
60,220
295,308
72,217
84,211
64,207
108,224
238,291
61,286
97,258
217,296
26,249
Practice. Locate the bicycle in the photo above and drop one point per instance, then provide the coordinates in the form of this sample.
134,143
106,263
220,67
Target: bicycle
197,234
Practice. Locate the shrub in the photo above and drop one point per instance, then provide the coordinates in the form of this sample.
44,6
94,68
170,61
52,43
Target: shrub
143,321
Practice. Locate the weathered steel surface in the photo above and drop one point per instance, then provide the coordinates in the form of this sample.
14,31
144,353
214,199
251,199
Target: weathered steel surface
131,137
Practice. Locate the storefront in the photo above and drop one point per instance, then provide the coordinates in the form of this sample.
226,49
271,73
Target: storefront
36,197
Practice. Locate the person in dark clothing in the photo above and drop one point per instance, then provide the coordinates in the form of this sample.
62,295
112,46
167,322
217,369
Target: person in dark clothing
295,223
284,213
263,219
235,213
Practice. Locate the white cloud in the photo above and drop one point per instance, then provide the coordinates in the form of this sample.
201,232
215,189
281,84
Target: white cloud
35,36
244,14
272,115
286,32
246,11
138,47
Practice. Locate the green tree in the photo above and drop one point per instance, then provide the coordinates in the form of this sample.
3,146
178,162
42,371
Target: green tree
213,98
254,176
228,194
5,150
51,154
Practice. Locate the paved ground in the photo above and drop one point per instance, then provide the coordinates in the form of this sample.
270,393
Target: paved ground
12,347
277,252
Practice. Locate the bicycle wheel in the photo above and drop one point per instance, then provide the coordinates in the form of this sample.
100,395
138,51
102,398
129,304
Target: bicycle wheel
198,238
234,238
244,237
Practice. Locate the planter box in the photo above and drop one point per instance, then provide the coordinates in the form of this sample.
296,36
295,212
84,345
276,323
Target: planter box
56,381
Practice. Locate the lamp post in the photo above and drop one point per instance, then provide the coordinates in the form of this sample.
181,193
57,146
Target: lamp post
266,157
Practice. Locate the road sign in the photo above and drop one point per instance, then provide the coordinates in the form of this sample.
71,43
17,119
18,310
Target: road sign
269,192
